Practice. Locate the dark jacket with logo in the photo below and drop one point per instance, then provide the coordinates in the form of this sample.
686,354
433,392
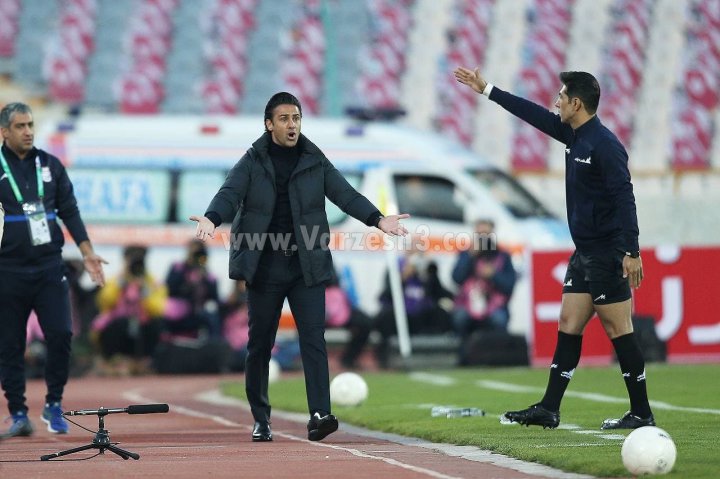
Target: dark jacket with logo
599,195
17,252
247,198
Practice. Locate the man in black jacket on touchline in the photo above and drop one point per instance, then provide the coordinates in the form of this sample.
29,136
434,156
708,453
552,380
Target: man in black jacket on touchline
35,191
603,223
275,198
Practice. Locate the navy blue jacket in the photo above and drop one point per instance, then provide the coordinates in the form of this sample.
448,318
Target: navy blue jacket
17,252
599,195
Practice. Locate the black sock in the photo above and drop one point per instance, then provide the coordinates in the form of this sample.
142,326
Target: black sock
565,360
632,366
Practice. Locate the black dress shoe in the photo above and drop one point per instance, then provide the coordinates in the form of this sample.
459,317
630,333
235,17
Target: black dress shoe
319,427
261,432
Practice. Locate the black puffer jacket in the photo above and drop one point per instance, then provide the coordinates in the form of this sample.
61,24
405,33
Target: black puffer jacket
247,198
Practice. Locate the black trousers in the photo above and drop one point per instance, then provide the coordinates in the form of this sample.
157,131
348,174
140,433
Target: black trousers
280,277
47,293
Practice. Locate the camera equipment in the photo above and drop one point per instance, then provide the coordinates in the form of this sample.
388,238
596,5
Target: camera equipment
101,441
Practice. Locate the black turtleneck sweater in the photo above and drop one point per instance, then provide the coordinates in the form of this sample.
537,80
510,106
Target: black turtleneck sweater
284,161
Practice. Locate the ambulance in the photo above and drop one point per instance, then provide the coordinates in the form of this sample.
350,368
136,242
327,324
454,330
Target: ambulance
138,179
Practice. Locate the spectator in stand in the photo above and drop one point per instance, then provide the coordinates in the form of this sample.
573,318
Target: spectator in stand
486,278
425,298
193,302
131,307
341,313
235,325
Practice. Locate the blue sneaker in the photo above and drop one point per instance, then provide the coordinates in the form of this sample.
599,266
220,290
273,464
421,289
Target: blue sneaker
53,416
21,425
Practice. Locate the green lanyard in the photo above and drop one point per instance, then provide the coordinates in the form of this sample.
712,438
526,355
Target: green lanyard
13,183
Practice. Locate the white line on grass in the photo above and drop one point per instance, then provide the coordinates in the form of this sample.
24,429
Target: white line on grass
441,380
516,388
215,397
434,379
470,453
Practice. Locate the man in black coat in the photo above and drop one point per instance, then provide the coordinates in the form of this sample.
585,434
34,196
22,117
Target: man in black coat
275,198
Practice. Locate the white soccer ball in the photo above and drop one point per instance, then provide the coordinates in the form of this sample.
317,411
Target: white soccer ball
648,450
348,389
273,371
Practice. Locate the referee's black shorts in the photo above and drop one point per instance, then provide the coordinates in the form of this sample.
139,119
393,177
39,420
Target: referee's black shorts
600,275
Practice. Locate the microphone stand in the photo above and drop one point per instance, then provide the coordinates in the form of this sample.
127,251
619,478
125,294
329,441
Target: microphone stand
101,442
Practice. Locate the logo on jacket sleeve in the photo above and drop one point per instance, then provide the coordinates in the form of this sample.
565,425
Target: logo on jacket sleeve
583,160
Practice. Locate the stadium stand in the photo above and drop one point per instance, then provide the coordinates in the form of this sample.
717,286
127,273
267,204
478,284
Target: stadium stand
65,65
385,63
141,86
468,42
544,56
663,55
426,40
303,56
622,68
9,11
693,118
272,19
494,132
186,65
104,65
658,61
225,36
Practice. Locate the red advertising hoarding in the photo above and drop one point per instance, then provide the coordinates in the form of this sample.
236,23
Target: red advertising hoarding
681,291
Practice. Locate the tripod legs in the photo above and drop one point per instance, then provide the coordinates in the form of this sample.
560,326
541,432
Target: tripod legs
101,442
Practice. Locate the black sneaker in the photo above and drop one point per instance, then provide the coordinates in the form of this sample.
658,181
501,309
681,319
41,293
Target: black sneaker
535,415
319,427
628,421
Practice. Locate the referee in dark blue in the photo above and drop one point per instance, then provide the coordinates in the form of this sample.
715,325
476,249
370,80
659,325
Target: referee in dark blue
35,191
275,198
603,223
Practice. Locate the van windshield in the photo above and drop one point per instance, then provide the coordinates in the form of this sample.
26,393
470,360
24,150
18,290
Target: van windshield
511,194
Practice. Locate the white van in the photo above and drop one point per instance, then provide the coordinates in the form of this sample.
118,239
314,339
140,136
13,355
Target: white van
138,178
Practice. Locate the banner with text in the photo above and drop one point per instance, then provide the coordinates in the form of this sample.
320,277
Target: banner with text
680,291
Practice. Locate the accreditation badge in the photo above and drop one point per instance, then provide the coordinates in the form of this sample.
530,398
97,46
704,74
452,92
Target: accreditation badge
38,223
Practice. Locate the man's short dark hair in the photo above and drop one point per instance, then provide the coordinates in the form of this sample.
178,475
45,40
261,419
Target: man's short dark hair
9,110
280,98
584,86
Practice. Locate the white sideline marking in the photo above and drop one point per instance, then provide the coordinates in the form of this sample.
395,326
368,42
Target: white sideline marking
434,379
516,388
470,453
215,397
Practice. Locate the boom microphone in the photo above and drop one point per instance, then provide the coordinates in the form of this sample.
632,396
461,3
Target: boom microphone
134,409
147,408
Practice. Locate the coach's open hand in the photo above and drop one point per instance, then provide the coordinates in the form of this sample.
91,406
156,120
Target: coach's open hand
392,226
205,227
470,78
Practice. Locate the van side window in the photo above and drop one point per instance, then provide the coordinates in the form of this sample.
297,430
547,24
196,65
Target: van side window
429,197
511,194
